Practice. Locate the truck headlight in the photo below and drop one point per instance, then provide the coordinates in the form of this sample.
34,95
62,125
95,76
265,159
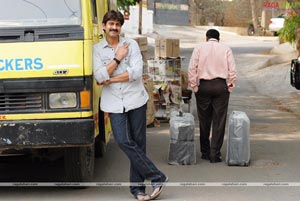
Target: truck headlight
62,100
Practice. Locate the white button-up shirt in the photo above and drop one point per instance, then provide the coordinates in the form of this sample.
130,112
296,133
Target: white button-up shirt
117,97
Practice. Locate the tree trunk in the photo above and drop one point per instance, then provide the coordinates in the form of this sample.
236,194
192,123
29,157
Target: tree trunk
254,17
298,41
140,16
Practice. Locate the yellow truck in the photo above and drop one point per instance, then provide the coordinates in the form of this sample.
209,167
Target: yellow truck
48,97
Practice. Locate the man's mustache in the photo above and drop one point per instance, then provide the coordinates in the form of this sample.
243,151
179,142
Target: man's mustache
115,30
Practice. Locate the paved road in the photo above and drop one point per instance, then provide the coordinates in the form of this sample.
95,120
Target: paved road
275,140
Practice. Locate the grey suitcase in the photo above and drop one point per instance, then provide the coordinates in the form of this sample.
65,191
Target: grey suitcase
182,152
238,143
182,126
182,149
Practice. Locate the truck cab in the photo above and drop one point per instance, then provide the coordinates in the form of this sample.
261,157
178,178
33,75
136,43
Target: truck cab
48,96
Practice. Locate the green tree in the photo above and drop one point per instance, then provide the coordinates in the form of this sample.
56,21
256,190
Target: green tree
291,30
124,4
294,4
288,32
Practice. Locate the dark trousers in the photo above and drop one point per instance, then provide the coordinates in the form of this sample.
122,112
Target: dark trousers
129,130
212,104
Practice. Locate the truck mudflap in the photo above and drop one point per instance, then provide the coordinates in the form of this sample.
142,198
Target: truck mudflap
46,133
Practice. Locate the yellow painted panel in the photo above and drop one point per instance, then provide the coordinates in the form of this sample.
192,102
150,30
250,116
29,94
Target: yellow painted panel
108,128
96,98
87,19
41,59
88,57
62,115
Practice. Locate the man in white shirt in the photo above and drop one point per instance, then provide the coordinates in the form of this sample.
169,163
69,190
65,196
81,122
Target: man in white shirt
118,66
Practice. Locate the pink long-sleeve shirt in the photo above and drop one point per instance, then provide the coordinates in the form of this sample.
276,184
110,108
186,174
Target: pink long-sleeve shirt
211,60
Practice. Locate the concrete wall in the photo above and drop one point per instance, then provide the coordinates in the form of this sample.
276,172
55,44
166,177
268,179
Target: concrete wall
131,26
227,13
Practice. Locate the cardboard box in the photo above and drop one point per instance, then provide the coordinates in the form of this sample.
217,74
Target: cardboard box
167,48
145,56
176,48
143,45
143,48
143,40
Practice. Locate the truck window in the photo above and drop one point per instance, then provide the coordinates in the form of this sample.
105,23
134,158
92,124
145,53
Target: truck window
21,13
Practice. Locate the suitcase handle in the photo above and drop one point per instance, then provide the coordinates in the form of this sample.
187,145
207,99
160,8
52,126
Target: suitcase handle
180,113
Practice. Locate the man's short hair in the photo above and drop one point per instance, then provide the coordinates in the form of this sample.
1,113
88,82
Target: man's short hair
212,33
113,15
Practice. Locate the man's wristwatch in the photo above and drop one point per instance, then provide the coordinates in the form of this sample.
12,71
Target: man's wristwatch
117,60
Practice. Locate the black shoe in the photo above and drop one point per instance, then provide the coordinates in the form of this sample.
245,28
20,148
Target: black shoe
205,157
215,160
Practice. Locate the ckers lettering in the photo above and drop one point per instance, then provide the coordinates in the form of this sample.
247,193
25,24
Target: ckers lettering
21,64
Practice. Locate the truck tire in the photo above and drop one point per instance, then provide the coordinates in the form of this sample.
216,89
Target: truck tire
79,163
100,145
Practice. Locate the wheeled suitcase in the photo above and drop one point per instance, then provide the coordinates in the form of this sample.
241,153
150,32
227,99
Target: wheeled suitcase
238,143
182,126
182,152
295,73
182,149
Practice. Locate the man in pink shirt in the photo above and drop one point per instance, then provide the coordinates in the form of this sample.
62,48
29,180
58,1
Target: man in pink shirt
212,76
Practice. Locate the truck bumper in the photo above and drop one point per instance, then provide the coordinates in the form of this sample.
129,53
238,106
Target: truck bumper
46,133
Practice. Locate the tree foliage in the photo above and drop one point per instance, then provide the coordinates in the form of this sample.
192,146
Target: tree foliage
294,5
289,31
124,4
291,24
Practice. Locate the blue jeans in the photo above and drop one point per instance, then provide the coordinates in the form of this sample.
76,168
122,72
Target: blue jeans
129,130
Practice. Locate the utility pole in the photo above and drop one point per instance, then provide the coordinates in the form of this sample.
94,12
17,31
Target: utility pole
140,16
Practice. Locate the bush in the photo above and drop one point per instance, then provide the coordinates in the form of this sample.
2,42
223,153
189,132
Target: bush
289,31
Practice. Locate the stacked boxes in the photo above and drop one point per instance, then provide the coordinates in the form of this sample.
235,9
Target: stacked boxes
182,150
143,44
166,47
